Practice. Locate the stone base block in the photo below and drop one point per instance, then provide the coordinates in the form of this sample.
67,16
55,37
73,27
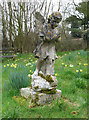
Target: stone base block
39,98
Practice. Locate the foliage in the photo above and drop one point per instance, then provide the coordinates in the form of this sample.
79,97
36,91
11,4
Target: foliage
71,73
86,35
82,8
18,79
75,24
18,21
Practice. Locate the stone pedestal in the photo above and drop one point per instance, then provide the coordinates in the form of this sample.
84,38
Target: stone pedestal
40,98
43,90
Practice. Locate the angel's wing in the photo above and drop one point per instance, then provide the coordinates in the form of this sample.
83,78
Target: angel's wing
39,17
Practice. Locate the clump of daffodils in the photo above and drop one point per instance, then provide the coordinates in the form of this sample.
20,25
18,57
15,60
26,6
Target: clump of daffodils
13,65
79,70
85,64
28,64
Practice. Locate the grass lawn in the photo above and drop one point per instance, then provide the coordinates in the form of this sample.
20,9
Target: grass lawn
71,73
0,90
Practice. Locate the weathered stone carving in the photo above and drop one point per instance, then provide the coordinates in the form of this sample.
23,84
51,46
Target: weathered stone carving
43,81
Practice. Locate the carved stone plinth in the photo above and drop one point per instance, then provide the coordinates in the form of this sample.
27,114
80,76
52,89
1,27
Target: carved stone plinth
38,97
43,90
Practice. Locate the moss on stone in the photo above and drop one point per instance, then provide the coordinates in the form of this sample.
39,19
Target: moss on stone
47,91
41,75
49,78
36,87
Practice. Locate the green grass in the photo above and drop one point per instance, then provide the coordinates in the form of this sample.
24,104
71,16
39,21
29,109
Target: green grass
73,103
0,90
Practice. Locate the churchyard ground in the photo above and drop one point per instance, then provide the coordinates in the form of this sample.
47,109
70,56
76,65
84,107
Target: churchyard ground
71,73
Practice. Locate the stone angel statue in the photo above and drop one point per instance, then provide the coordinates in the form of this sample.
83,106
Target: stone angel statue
45,52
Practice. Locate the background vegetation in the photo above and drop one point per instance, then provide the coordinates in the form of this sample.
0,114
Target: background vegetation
19,26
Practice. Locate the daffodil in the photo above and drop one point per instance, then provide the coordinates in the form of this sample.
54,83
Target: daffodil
14,66
81,70
62,63
78,53
36,61
29,75
65,65
8,65
79,63
30,71
71,65
4,66
28,64
11,65
56,74
77,70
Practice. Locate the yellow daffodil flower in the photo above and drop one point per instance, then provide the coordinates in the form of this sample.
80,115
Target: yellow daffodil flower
79,63
29,75
77,70
56,74
81,70
36,61
11,65
14,66
62,63
4,66
8,65
65,65
78,53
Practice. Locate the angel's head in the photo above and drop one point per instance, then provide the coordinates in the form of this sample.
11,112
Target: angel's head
54,19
